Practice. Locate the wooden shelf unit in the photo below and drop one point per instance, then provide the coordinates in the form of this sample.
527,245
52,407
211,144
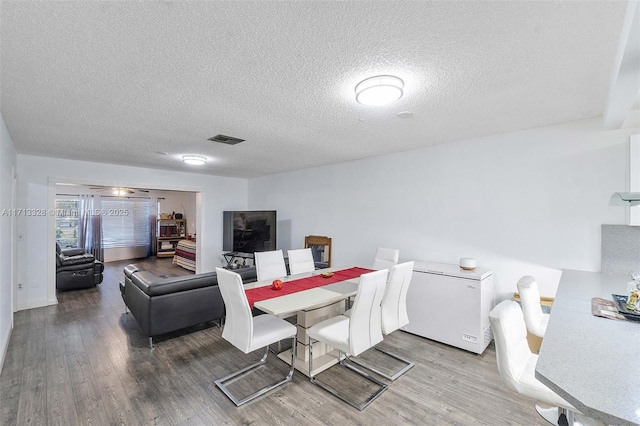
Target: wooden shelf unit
168,233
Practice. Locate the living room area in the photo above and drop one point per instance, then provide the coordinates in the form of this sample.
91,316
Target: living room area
121,223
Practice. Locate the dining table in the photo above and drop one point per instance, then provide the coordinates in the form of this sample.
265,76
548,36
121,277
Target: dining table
591,361
312,298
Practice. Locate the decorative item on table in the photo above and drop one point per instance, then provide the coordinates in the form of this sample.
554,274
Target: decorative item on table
189,236
468,263
178,215
165,216
326,274
605,308
633,287
277,285
632,300
621,304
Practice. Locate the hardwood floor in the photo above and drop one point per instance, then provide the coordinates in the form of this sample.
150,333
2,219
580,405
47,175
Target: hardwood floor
84,361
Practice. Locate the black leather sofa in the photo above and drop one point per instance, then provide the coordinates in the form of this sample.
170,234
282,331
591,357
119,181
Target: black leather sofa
164,304
76,269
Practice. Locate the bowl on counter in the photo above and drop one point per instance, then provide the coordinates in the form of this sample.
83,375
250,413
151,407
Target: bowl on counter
468,263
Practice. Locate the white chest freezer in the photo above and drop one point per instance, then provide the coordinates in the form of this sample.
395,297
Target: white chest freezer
450,305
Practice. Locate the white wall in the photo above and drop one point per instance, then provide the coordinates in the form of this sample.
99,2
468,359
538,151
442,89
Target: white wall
8,164
124,253
36,189
529,202
179,202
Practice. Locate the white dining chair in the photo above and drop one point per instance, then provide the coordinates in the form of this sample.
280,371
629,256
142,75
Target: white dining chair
354,335
394,315
270,265
516,364
534,318
385,258
301,261
249,333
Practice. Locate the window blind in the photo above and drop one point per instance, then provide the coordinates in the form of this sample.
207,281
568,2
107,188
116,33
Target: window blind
125,223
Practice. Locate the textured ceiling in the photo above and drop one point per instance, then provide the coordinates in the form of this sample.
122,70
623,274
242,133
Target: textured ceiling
122,82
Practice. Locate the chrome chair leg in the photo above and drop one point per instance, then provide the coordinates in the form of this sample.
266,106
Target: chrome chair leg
276,350
348,303
391,377
563,417
223,386
151,343
360,406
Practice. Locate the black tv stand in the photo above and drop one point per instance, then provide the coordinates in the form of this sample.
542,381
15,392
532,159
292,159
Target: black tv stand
233,255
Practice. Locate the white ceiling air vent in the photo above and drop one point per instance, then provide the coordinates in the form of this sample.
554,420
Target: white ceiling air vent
228,140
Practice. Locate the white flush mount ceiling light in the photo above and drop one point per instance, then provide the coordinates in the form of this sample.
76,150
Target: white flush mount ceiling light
195,160
379,90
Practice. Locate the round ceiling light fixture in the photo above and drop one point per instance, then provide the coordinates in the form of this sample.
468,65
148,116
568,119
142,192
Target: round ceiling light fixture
379,90
195,160
119,192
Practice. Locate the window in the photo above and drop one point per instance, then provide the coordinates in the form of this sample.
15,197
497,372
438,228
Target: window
67,222
125,223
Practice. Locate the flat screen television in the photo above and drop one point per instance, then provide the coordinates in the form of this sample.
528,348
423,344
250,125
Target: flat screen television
249,231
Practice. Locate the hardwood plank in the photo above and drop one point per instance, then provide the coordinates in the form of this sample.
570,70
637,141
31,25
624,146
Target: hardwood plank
88,402
60,400
11,378
9,410
36,345
169,397
32,407
114,397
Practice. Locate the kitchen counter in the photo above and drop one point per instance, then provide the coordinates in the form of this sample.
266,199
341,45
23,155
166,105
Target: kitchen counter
590,361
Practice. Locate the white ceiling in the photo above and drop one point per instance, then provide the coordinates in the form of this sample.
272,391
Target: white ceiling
119,82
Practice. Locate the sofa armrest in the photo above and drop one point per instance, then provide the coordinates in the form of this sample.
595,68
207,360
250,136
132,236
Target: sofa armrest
76,260
72,251
131,269
153,285
76,267
139,304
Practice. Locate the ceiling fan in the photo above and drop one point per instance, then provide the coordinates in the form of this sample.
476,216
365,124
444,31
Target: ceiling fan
119,191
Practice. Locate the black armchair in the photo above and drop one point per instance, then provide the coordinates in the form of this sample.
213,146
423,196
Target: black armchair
76,269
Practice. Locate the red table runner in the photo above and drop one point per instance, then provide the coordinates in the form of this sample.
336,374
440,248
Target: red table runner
263,293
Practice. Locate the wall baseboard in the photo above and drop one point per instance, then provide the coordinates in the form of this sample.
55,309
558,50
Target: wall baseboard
5,347
124,253
30,304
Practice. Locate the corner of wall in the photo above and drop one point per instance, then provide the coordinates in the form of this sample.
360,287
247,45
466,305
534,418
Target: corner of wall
8,164
4,346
